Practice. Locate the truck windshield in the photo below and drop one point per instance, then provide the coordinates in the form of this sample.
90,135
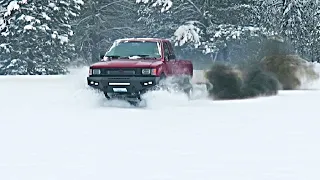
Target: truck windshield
132,49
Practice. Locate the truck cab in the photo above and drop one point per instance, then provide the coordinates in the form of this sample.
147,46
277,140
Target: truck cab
134,66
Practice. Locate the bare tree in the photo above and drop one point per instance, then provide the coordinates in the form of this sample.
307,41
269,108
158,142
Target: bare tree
101,22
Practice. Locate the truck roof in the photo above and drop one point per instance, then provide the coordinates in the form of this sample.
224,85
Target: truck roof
143,39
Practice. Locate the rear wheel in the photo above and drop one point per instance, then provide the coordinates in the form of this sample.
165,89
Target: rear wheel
186,85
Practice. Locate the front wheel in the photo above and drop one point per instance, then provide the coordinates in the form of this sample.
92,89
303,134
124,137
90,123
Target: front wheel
180,83
106,95
161,84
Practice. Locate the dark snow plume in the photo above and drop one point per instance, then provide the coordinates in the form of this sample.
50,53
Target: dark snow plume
275,67
291,70
264,78
230,82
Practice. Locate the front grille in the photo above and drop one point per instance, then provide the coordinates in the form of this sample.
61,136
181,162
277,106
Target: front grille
118,78
121,72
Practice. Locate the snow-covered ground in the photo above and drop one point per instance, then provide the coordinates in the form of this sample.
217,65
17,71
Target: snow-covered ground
53,128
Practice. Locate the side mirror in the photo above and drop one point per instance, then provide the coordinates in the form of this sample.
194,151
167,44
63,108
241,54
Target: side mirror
101,56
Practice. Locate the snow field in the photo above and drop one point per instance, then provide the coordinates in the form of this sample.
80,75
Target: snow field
54,128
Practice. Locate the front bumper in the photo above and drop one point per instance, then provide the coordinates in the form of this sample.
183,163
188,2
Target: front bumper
123,85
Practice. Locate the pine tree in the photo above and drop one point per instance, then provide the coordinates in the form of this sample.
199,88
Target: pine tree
293,26
312,23
211,26
38,35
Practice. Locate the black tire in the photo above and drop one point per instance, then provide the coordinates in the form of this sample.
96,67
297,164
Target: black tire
181,83
184,84
134,103
106,96
162,78
188,88
161,84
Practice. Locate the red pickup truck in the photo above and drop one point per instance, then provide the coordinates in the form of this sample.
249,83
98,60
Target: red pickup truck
133,66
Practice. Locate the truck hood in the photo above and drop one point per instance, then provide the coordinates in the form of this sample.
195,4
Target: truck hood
125,63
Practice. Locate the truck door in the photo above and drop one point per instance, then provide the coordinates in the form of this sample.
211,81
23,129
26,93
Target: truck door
178,67
169,58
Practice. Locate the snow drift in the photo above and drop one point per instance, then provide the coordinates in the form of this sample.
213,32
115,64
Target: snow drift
53,127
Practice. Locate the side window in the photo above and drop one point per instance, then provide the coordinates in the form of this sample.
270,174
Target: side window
169,50
166,50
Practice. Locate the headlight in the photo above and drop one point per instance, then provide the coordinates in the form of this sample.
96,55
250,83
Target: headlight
96,71
146,71
149,71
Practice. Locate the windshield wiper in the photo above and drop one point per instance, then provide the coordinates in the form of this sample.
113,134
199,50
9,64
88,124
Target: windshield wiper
115,56
128,57
142,56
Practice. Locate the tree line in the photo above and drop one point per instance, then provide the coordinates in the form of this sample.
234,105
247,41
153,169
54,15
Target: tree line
46,36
